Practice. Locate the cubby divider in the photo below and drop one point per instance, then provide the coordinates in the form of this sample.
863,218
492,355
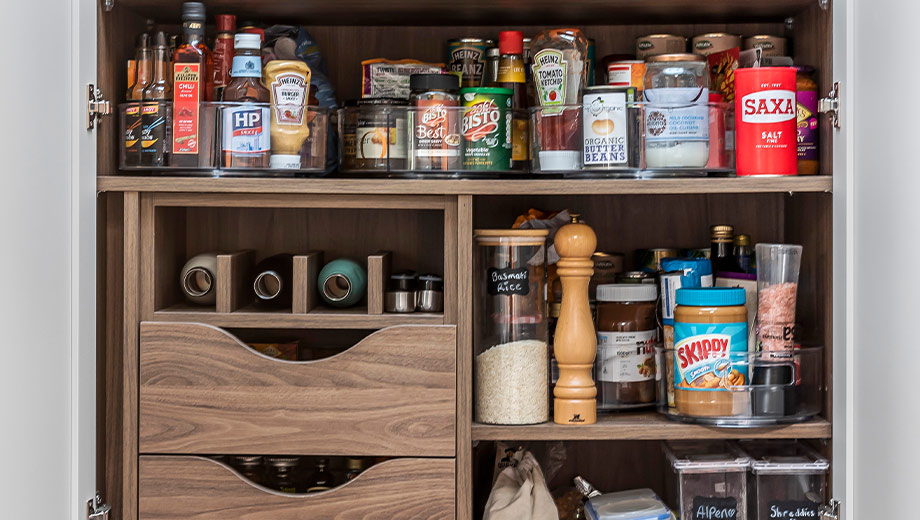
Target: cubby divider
234,289
306,270
378,270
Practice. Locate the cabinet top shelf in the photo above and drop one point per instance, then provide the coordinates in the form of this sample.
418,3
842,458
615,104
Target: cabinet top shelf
804,184
485,12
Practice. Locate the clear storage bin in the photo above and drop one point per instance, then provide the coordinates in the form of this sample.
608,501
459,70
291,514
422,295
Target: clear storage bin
773,391
180,147
634,504
788,480
709,480
511,358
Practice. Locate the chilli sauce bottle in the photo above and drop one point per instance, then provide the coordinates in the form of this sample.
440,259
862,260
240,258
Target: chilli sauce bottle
193,82
155,109
223,52
511,74
246,140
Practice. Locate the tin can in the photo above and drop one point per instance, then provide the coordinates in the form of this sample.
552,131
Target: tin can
590,62
649,260
765,121
626,73
769,45
655,44
635,277
467,57
486,128
608,129
712,43
606,268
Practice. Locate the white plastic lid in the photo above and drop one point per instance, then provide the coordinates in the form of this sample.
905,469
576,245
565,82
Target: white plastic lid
247,41
627,292
636,504
560,160
283,162
784,458
702,457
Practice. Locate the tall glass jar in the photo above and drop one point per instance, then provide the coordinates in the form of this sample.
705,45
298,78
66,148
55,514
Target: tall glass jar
434,122
511,363
676,93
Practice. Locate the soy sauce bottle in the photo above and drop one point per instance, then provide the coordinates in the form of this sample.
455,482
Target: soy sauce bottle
155,110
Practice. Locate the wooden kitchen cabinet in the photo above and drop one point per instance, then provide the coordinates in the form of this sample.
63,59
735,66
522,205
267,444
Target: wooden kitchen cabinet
177,383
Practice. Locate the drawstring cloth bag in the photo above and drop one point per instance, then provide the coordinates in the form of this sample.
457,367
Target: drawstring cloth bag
520,493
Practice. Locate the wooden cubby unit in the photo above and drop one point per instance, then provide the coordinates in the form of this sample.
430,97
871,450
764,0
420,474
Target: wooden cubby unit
164,361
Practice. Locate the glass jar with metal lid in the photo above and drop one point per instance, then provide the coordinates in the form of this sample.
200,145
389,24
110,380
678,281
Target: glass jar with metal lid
434,122
281,474
373,133
250,467
676,93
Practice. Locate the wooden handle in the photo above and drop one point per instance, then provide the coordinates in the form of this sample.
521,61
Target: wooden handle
575,343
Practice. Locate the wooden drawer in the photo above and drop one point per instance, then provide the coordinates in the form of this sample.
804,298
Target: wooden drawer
202,391
184,488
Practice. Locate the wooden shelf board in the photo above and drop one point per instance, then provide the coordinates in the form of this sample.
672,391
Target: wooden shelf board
448,12
794,184
646,426
319,318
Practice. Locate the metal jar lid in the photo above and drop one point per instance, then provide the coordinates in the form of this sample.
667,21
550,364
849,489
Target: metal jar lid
677,57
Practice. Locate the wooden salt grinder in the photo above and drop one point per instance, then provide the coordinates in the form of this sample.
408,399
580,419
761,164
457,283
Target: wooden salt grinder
575,342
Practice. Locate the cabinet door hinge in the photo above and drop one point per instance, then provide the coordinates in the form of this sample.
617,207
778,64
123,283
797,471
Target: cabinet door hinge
830,105
108,5
96,106
96,509
831,510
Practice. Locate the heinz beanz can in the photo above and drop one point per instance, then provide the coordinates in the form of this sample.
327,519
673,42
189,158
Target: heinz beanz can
486,128
765,130
467,57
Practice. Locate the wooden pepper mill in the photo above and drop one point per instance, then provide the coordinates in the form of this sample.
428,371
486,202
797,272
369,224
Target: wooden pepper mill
575,343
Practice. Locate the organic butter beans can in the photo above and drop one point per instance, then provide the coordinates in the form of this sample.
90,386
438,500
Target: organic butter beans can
486,128
655,44
608,136
765,126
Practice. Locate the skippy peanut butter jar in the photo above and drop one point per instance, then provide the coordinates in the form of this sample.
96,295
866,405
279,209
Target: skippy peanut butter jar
710,351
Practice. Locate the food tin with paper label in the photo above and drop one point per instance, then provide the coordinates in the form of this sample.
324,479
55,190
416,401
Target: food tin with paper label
486,128
710,351
609,127
765,121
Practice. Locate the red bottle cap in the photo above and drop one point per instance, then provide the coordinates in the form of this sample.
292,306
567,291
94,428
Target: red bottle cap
511,42
226,23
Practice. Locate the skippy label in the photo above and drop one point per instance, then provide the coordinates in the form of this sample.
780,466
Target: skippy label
710,356
246,129
549,72
677,113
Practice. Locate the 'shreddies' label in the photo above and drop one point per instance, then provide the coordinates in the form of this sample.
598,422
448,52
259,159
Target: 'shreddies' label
187,94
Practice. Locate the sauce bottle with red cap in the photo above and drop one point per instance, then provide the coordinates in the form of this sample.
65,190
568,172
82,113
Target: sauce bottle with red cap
512,75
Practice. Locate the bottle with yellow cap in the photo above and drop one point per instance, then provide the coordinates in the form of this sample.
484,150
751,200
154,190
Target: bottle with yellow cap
744,255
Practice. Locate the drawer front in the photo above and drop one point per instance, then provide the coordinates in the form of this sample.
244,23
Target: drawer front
185,488
202,391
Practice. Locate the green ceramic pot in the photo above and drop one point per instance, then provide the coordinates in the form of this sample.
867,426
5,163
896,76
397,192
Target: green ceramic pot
342,283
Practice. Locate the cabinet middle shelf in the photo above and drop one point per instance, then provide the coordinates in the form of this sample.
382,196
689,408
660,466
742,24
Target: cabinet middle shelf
645,426
319,318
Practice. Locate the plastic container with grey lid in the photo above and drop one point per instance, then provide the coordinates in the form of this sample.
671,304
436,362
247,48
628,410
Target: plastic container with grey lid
788,479
636,504
709,479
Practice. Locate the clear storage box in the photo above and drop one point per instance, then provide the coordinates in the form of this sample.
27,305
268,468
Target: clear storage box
788,480
635,504
709,480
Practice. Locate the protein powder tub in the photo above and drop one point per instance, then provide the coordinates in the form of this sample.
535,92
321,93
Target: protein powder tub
710,351
627,331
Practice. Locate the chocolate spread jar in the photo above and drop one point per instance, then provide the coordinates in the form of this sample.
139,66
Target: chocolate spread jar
627,332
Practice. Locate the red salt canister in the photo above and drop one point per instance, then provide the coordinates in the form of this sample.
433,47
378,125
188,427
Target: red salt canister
765,121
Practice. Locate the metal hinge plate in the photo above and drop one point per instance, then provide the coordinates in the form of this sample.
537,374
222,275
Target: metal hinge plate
96,106
831,511
108,5
96,509
830,105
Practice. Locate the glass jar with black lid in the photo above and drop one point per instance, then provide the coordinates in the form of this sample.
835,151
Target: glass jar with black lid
374,135
434,123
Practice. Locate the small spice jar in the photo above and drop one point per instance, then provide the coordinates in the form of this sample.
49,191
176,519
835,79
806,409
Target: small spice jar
434,122
710,351
676,92
709,480
250,467
431,293
806,99
511,363
627,331
281,473
402,292
373,133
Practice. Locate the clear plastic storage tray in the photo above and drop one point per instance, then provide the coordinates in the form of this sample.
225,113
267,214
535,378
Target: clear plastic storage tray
788,480
775,391
155,139
635,140
709,479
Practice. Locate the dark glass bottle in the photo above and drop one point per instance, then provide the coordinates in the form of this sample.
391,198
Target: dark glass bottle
511,75
155,110
246,142
135,93
223,52
721,249
743,254
250,467
193,82
354,466
281,474
273,280
321,479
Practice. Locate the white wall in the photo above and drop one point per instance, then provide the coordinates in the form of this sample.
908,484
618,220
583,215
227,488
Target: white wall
35,251
887,244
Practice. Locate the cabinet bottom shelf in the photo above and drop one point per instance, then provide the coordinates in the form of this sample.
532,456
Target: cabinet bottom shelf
646,426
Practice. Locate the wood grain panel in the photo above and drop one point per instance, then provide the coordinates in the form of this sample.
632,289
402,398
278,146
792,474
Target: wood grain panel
184,488
306,270
130,357
464,357
318,318
378,273
234,283
203,391
535,186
